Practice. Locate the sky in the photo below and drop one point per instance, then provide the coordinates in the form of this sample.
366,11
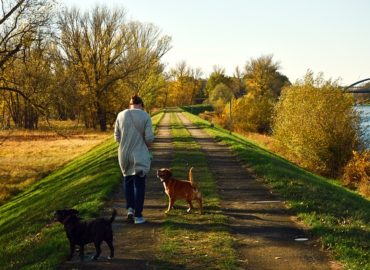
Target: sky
328,36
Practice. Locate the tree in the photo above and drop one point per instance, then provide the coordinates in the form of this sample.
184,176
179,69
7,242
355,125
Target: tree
253,111
20,22
262,77
24,28
185,84
316,121
149,83
31,75
238,83
105,53
65,98
220,96
217,76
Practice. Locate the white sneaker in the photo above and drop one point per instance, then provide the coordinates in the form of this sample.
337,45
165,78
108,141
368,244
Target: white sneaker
139,220
130,214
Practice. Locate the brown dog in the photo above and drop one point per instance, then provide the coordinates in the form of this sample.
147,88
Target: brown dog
83,232
180,189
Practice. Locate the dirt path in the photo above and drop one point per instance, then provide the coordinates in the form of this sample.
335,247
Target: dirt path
264,230
136,245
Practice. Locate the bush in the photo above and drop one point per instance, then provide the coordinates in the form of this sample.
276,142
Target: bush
357,172
198,109
317,122
251,113
220,96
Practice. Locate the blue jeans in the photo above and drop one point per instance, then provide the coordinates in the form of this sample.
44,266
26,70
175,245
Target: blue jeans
135,192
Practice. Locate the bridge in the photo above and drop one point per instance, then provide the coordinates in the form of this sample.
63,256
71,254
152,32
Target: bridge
356,89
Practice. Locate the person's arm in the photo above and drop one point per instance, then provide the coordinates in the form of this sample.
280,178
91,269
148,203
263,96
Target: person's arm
148,133
117,131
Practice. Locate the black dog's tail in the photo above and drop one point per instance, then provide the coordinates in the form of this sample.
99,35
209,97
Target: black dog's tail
114,213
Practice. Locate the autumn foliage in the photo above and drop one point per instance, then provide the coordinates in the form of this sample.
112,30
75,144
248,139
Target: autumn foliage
357,172
316,121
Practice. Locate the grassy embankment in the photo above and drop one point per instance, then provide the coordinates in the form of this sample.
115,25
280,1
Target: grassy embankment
191,240
29,239
340,217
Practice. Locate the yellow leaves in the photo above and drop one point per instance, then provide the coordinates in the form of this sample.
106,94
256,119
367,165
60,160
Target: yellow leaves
357,172
252,113
318,124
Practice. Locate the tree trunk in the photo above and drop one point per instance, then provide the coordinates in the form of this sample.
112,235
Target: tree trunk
102,117
30,117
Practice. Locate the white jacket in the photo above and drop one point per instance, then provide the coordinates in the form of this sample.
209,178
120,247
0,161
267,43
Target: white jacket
133,131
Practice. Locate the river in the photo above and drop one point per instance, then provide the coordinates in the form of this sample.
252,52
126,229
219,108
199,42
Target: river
365,119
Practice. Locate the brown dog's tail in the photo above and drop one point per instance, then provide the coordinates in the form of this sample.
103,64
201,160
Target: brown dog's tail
191,179
114,213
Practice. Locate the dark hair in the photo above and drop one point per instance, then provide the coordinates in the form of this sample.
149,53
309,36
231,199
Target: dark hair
135,99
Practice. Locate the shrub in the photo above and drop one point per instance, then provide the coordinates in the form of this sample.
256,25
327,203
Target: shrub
251,113
220,96
198,109
316,121
357,172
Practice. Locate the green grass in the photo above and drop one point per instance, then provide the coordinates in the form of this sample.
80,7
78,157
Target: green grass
340,217
29,238
194,241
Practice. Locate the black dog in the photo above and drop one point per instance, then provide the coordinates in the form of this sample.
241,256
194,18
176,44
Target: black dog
81,232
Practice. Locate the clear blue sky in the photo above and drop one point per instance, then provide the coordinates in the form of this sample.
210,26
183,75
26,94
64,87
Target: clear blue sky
329,36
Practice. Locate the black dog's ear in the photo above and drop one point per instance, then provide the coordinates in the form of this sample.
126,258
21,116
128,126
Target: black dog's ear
58,215
73,211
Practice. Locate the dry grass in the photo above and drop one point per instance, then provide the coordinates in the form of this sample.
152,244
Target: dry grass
26,156
268,142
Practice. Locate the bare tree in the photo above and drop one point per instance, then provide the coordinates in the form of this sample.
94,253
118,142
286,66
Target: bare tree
105,50
19,22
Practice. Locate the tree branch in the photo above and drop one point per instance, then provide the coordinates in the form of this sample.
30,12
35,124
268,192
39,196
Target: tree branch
11,11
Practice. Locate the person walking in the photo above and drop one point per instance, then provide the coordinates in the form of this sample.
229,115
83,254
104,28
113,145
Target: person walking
133,131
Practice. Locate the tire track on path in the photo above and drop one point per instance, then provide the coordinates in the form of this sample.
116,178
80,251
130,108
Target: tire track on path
264,230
